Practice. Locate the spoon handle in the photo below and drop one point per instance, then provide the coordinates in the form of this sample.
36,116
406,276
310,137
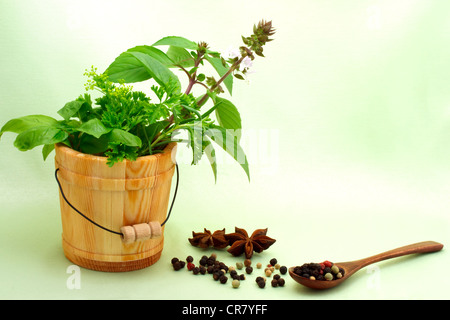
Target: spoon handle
420,247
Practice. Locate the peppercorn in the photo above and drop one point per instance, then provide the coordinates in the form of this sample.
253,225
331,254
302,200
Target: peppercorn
202,269
274,283
242,277
223,279
189,259
259,265
174,260
239,265
259,279
190,266
268,272
247,262
283,269
328,276
277,266
261,284
176,265
334,269
327,263
249,270
281,282
235,283
273,261
276,276
182,263
196,270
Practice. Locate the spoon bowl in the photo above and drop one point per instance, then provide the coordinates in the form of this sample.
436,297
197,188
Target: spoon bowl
351,267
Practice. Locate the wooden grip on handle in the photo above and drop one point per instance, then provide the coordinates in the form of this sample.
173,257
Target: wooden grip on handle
141,231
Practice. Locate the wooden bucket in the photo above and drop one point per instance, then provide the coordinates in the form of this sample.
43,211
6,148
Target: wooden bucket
128,193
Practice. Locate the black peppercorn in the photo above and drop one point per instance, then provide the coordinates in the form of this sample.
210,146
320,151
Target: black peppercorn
249,270
202,270
261,284
174,260
283,269
273,261
176,265
274,283
223,279
276,277
281,282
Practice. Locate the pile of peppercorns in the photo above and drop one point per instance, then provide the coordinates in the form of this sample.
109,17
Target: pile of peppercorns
277,280
320,271
221,272
209,265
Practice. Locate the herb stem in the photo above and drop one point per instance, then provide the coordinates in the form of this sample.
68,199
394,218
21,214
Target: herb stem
192,78
232,68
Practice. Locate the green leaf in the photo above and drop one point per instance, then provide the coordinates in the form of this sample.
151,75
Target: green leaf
124,137
208,149
229,142
71,108
201,77
221,70
33,137
22,124
180,57
162,75
47,149
177,42
152,129
228,116
154,53
94,127
128,68
196,142
92,145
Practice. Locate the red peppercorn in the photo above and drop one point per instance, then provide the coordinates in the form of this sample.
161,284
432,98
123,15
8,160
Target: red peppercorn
327,263
322,266
190,266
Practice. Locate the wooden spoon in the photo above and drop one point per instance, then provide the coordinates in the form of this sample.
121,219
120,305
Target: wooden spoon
351,267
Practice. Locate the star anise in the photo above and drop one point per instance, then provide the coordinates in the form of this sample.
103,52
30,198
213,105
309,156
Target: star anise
207,239
241,243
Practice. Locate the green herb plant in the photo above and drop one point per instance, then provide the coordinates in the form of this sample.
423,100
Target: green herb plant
126,124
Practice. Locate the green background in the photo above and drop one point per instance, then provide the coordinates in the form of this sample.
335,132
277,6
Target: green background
347,132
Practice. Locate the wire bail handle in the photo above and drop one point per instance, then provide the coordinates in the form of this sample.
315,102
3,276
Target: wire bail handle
129,234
